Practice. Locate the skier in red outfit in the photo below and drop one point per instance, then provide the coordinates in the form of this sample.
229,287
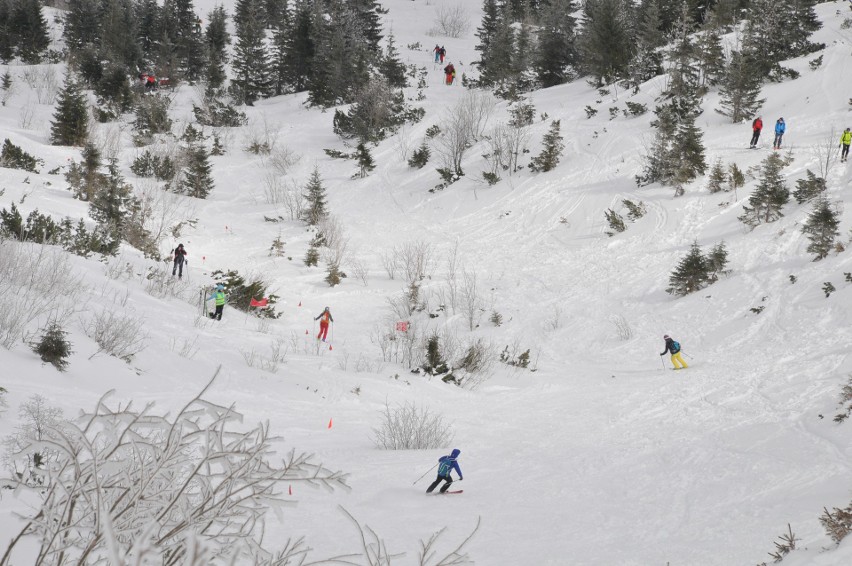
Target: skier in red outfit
324,318
756,126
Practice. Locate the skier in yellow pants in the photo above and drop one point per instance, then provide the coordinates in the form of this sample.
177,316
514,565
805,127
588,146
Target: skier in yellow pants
673,346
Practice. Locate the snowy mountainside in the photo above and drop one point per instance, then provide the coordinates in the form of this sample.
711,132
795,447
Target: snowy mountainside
599,456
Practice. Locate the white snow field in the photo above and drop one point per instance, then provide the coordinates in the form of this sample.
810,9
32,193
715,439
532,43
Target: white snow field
599,456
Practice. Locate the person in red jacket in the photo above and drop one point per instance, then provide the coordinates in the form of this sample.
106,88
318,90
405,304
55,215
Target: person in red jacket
450,72
756,126
324,318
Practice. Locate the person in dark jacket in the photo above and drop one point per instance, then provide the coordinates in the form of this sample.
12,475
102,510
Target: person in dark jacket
442,53
450,72
446,464
780,128
756,126
437,52
179,254
674,347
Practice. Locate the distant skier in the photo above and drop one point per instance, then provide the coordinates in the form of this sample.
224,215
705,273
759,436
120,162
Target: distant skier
780,128
443,53
845,141
446,464
324,318
218,296
673,346
179,254
756,126
450,72
437,52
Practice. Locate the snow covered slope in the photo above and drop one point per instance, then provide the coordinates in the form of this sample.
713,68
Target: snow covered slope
599,456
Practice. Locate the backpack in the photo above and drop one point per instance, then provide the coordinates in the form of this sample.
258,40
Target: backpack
675,346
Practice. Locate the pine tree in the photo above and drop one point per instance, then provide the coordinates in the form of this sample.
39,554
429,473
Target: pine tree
687,152
683,71
486,32
296,48
118,24
556,54
251,60
315,209
821,228
495,65
30,30
607,39
692,273
770,195
740,88
368,19
53,347
710,54
391,67
647,63
82,24
217,40
809,188
332,274
312,256
365,160
340,67
198,179
717,260
70,122
717,177
7,33
149,31
553,146
113,200
189,45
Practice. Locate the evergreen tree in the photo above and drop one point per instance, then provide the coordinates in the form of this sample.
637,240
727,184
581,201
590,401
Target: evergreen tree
118,24
553,146
198,178
315,209
687,152
391,67
148,31
217,39
692,273
809,188
717,177
53,347
710,55
683,71
556,55
607,39
179,24
486,32
726,13
648,60
821,229
365,160
717,260
113,201
340,65
276,13
82,24
251,64
30,30
295,48
368,21
770,195
71,119
740,88
495,65
7,33
332,274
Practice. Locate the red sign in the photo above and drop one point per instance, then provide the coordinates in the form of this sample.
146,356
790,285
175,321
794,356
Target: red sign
402,326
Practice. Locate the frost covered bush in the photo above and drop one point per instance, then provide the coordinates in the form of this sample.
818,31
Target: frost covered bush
409,427
35,280
130,486
117,335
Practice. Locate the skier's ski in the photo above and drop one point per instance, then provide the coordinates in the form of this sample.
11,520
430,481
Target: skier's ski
446,492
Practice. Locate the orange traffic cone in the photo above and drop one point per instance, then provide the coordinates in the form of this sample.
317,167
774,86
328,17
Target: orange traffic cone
306,331
290,490
329,347
329,423
300,303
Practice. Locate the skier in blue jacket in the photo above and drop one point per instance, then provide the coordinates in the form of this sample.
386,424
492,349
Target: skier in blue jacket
446,464
780,128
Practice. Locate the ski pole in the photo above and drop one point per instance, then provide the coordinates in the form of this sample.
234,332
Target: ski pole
662,361
424,475
687,355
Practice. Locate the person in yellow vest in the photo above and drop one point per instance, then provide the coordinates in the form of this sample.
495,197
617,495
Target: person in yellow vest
218,296
845,141
673,346
324,318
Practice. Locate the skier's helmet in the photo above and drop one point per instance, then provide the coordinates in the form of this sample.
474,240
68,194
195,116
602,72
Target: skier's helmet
220,287
665,337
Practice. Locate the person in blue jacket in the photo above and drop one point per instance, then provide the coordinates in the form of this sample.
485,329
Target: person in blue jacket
446,464
218,296
780,128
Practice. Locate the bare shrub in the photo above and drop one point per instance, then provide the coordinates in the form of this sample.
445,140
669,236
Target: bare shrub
459,128
161,212
389,264
269,363
826,152
476,106
409,427
43,80
128,483
451,21
472,303
260,137
622,327
404,348
116,334
160,283
184,347
36,282
335,239
359,269
505,146
26,114
282,159
403,141
414,259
